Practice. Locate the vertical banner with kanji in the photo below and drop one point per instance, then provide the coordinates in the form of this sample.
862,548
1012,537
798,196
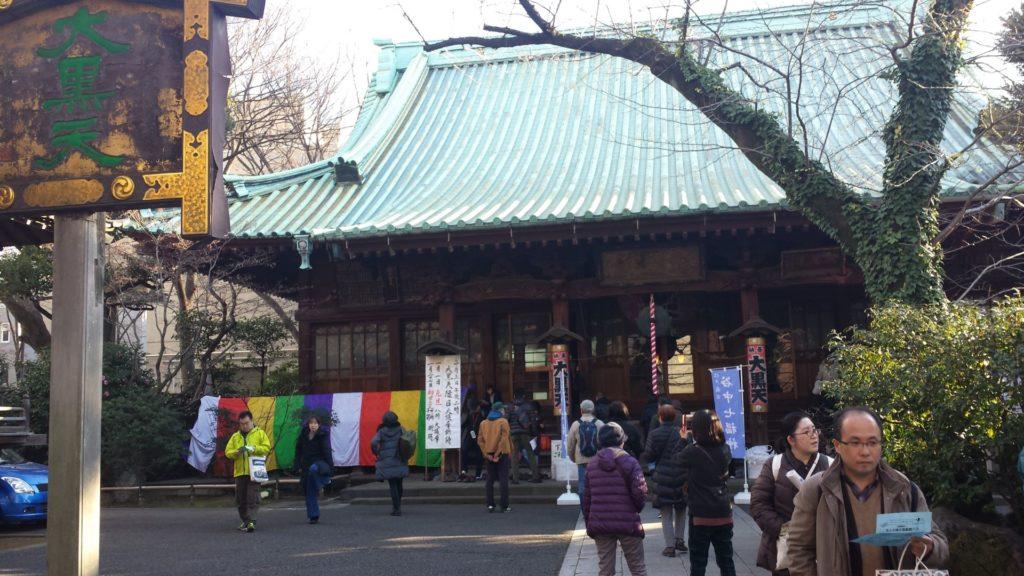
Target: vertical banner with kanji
727,385
558,359
757,369
444,382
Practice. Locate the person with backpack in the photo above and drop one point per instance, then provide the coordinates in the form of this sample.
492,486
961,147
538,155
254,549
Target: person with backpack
250,440
582,444
705,469
314,462
771,499
663,444
496,445
839,505
393,446
612,503
524,426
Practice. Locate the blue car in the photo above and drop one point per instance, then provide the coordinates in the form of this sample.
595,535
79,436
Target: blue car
23,488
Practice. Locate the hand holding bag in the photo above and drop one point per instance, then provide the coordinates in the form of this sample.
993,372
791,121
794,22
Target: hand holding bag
919,568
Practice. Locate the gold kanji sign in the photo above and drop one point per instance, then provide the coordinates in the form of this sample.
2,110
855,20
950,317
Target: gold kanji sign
109,105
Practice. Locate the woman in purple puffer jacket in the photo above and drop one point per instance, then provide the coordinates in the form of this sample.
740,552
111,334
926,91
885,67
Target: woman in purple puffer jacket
615,495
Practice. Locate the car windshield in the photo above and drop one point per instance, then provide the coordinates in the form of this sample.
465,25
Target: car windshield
8,456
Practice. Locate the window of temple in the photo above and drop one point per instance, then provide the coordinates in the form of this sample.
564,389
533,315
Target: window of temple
416,333
521,363
468,336
351,350
5,333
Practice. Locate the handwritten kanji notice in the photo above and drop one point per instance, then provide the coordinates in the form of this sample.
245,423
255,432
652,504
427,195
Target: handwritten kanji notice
444,381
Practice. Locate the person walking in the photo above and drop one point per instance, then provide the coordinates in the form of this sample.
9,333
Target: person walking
524,425
496,445
583,444
664,443
613,501
314,462
249,440
619,413
771,499
705,467
841,504
393,453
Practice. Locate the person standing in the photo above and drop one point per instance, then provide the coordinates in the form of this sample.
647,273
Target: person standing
771,499
705,467
583,443
524,425
392,461
496,445
613,501
249,440
471,455
663,444
619,413
841,504
314,462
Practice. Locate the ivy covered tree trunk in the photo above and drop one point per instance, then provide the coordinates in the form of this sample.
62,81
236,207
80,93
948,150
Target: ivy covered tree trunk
892,239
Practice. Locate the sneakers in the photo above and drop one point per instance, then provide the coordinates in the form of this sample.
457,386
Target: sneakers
243,527
669,552
490,509
314,520
250,527
681,546
506,509
396,512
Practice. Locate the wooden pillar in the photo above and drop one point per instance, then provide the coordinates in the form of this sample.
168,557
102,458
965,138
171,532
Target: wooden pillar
488,355
450,458
446,320
757,423
73,532
749,307
560,311
395,362
306,352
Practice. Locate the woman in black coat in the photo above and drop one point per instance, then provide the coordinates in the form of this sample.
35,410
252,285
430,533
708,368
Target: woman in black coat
663,444
619,414
313,460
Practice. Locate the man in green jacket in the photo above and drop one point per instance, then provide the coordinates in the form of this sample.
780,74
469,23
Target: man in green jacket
248,441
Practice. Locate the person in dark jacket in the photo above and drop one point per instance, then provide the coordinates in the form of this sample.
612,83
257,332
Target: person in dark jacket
471,455
663,444
619,414
386,445
771,499
602,407
615,495
524,425
650,413
313,460
705,467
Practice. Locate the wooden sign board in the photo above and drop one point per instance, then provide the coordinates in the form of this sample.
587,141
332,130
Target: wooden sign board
652,266
110,105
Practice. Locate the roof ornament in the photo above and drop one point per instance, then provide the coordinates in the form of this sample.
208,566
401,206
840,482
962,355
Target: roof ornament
304,247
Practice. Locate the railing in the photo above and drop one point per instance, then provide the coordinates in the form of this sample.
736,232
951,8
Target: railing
141,489
14,421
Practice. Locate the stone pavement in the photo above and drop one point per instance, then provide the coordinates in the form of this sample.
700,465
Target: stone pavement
581,558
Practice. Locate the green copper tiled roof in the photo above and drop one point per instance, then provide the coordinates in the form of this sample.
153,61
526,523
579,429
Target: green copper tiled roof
464,138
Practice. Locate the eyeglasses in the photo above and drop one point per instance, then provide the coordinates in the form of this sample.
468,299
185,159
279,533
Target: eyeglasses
811,432
870,444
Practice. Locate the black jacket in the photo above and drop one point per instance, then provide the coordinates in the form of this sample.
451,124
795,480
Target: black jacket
309,452
705,470
634,438
524,417
663,444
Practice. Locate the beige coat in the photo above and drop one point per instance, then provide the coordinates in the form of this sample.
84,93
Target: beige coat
818,543
573,448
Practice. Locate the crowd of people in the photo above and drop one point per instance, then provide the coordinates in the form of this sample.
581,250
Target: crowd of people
809,506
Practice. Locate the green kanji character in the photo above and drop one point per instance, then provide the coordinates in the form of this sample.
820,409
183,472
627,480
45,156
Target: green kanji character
77,81
76,135
81,23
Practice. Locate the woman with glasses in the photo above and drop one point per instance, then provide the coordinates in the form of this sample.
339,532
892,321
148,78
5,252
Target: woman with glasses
771,500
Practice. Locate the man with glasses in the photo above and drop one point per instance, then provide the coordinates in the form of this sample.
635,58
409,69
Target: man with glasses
841,504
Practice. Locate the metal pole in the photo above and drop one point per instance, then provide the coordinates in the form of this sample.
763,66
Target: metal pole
73,532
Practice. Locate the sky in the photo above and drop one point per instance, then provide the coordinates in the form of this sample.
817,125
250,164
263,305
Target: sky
347,28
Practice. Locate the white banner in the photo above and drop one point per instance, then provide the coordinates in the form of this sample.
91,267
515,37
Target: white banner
444,384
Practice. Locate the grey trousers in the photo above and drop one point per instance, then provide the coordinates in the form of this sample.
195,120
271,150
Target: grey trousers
632,550
672,533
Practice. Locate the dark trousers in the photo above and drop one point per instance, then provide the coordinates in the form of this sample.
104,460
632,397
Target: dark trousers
521,442
312,491
247,497
472,456
395,487
701,539
497,471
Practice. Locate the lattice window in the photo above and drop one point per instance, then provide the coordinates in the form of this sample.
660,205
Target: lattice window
347,350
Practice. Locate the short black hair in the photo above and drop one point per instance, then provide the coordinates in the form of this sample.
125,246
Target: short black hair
845,413
245,414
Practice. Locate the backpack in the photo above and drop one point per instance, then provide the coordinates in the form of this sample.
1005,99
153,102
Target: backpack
406,445
588,438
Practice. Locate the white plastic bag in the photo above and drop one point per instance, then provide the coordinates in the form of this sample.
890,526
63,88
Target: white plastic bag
258,469
782,547
919,568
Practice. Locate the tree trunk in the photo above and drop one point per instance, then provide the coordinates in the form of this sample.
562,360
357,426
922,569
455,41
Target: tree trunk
34,331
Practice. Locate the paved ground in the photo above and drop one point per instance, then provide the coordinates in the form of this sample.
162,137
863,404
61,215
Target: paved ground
427,540
581,557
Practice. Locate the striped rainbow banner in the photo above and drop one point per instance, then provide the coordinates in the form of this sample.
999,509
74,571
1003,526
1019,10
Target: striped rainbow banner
355,419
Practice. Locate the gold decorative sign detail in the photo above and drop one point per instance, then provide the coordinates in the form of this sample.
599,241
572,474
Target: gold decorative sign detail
189,185
64,193
197,19
5,4
197,83
122,187
6,194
